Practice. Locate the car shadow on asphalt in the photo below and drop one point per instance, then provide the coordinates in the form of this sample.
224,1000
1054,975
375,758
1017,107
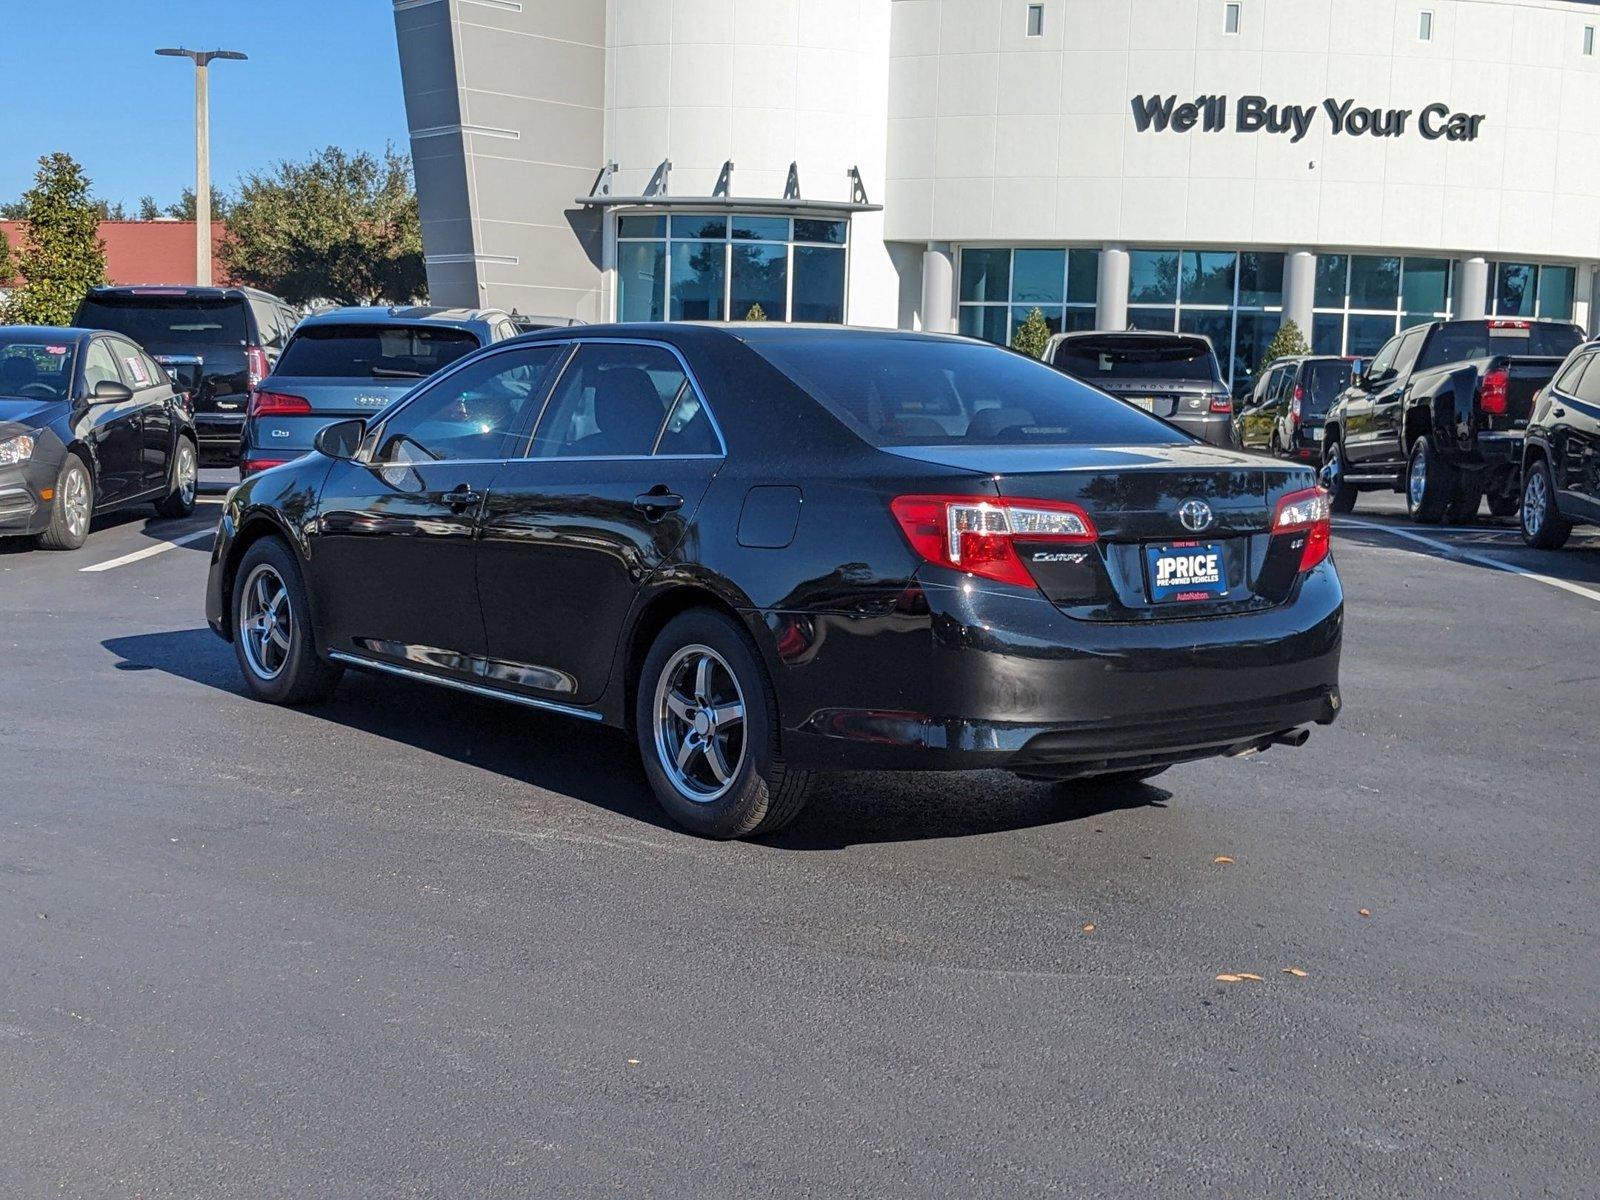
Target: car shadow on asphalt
598,766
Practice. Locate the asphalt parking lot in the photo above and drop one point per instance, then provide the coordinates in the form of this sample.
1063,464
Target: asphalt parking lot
418,944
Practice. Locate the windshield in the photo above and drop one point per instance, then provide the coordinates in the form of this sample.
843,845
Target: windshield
36,370
905,391
1097,360
1457,341
1321,383
370,351
168,324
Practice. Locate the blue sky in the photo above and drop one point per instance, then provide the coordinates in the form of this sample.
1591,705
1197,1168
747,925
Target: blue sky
83,76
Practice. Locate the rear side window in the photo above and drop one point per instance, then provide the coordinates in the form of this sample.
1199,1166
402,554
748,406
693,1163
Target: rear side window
168,324
1457,341
903,391
1116,359
1320,384
359,351
1567,381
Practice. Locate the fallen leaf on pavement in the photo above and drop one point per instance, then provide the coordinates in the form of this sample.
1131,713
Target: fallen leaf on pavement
1363,912
1295,971
1222,858
1247,975
1088,928
1227,979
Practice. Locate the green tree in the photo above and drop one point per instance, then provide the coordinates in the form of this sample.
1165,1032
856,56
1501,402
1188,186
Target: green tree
1286,342
756,313
111,210
340,227
8,265
1032,335
149,210
186,207
61,256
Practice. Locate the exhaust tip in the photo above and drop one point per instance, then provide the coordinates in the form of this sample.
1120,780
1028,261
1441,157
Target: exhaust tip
1292,737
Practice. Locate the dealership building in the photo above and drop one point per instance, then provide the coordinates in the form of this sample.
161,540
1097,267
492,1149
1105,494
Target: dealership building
1203,165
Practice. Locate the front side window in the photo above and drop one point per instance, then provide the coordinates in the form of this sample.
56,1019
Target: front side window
100,366
619,400
903,391
472,413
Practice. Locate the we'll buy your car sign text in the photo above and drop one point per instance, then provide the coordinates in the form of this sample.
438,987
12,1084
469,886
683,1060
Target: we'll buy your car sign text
1252,114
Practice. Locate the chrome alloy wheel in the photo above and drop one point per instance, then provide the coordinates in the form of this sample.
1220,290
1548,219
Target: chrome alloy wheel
266,621
186,473
1417,482
1332,468
1535,503
699,715
75,501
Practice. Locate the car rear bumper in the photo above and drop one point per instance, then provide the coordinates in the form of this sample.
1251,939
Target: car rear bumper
274,439
991,679
1215,429
218,436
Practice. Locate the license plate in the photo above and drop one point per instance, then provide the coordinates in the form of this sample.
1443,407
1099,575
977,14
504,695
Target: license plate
1314,432
1186,571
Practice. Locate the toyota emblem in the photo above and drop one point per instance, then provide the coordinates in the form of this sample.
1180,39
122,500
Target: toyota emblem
1195,515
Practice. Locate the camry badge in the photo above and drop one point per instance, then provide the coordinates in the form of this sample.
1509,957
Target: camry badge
1195,515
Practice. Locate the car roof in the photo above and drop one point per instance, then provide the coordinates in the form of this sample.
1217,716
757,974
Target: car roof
182,289
406,314
60,333
1143,336
749,332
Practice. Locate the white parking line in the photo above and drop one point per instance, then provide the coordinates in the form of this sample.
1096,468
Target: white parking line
150,551
1482,560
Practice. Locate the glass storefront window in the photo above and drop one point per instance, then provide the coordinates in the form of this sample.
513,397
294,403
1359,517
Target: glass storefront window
1260,280
1039,276
707,267
1332,275
1374,282
1514,287
1555,292
1208,277
1426,285
1152,276
1327,333
1153,318
1367,334
1001,286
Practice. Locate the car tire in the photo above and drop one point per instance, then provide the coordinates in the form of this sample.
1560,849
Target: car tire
1543,526
71,507
1342,493
272,629
1275,447
1465,500
1430,483
701,665
179,502
1501,505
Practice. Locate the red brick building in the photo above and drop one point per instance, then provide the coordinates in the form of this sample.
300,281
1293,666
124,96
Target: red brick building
144,251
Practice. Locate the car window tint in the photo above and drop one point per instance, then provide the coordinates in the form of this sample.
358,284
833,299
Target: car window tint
1383,360
100,365
1567,381
33,369
471,413
689,429
168,324
611,402
131,364
372,351
1457,341
1589,386
1320,385
908,391
1137,356
1410,343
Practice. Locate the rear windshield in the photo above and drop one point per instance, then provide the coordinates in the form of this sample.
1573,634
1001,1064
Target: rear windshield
898,391
373,351
1457,341
1321,383
35,370
168,324
1095,360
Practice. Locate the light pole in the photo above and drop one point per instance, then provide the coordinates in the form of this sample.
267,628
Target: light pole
202,156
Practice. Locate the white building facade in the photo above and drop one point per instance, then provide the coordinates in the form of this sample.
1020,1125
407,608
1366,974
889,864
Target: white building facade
1204,165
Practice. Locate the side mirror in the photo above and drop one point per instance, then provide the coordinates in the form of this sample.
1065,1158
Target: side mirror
110,391
342,439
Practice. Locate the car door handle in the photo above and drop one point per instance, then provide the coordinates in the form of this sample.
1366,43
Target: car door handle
658,502
462,498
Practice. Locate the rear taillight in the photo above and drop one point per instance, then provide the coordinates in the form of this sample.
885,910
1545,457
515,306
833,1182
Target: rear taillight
979,536
255,361
1294,404
1494,394
1306,514
251,465
1222,404
278,404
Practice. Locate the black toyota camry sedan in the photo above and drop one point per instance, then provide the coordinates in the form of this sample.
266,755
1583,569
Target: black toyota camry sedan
771,550
88,422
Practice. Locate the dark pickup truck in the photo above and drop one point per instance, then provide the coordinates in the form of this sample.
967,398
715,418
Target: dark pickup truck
1439,415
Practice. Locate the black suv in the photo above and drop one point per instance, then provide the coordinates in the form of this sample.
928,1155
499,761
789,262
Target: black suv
1561,455
217,343
1285,410
1173,375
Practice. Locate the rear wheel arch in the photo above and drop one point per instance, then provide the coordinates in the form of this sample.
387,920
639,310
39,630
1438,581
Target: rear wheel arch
655,615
